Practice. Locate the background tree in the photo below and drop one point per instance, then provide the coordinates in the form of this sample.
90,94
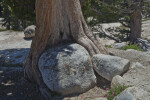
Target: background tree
94,11
136,20
146,9
123,11
0,9
23,9
108,11
6,14
101,11
16,15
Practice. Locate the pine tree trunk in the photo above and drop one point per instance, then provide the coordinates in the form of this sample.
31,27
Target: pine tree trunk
136,21
58,21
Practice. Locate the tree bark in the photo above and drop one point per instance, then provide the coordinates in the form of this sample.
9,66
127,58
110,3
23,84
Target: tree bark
58,22
136,21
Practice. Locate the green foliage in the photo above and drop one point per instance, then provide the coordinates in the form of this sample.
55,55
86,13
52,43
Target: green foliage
123,33
13,18
146,9
100,11
94,11
107,11
108,46
23,9
1,30
86,8
6,14
131,46
114,91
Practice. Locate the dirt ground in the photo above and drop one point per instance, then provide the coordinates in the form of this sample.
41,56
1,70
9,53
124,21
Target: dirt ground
146,29
13,40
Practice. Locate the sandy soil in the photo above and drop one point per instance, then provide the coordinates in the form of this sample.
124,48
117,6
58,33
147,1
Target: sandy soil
146,29
13,40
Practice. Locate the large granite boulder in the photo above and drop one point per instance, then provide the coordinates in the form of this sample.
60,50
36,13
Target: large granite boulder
29,32
109,66
67,69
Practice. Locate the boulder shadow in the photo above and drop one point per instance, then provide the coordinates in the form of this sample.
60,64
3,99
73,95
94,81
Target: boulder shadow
102,82
13,57
28,39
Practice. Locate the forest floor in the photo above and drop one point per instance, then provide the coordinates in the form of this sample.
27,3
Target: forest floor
13,86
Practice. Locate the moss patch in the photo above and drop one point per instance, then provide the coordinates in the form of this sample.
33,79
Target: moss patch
135,47
108,46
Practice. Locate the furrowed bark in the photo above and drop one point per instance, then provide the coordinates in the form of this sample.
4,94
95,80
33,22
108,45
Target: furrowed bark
136,21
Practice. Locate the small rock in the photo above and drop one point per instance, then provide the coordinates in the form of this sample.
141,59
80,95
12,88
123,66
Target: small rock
132,93
109,66
67,69
29,32
131,50
119,45
118,80
148,38
101,98
136,65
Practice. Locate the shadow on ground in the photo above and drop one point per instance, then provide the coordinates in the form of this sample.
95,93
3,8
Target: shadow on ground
13,86
13,57
28,39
